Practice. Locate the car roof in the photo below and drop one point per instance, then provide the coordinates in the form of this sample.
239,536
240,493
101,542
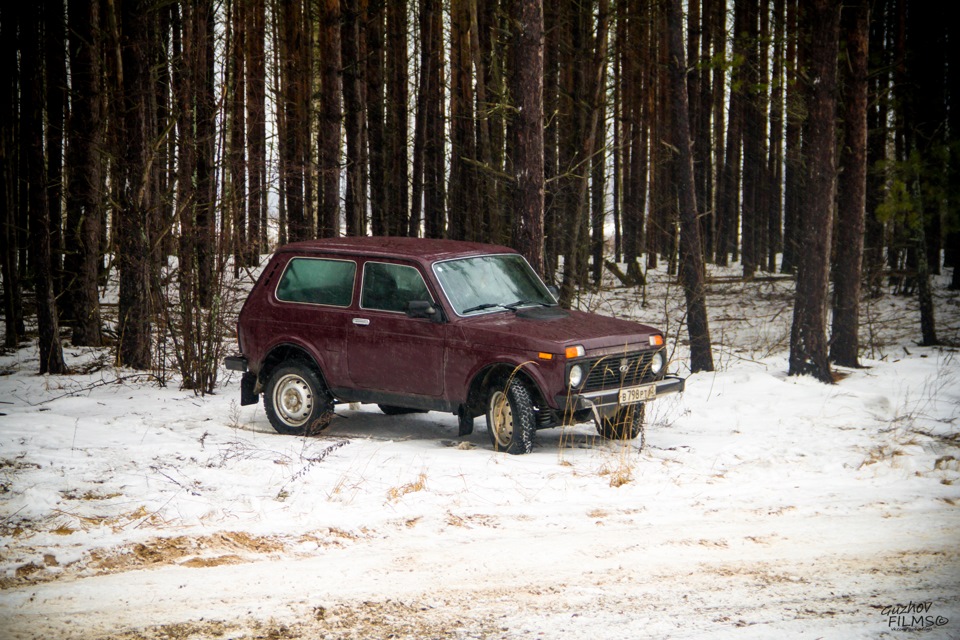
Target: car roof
422,249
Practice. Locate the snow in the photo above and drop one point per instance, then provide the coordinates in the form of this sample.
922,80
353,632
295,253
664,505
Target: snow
762,506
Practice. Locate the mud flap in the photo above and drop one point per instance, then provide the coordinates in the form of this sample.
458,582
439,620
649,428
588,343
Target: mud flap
464,421
247,385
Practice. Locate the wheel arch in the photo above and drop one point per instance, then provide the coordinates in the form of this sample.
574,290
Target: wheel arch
285,352
499,373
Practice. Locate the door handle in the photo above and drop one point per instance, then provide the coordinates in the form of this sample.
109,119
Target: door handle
361,322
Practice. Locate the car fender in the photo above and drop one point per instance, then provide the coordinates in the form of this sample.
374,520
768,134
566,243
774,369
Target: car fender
293,345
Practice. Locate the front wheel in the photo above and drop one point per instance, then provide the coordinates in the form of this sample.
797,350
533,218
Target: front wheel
296,400
625,424
510,418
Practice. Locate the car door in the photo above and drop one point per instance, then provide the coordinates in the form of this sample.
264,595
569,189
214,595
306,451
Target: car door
387,351
312,305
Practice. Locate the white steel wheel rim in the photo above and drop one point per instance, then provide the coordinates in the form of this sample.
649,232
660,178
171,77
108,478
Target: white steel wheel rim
501,418
293,400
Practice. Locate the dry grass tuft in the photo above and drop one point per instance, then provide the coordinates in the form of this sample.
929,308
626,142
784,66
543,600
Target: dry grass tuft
419,484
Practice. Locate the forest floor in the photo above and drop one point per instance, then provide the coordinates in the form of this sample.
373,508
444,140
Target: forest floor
762,506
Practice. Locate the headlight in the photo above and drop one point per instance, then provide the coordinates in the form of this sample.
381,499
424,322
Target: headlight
576,375
659,360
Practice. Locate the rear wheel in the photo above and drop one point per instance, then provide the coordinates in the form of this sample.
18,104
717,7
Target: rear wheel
625,424
296,400
510,418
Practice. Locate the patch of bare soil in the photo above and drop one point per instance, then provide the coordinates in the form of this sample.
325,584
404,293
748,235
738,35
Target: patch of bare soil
201,551
355,621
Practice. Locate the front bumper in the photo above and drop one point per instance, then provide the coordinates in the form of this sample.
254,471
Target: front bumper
607,401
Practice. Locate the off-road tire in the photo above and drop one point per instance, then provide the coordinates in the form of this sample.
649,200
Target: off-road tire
297,401
511,422
625,424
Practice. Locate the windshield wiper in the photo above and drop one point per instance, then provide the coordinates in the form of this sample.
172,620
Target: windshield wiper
485,305
513,306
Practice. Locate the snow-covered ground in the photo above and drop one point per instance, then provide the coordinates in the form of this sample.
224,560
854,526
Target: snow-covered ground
763,505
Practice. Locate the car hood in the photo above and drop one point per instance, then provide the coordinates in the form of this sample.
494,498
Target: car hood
552,332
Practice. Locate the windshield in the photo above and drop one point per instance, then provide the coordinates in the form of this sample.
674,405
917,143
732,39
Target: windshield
486,284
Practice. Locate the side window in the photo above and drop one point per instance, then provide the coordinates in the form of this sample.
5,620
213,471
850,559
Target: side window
318,281
389,287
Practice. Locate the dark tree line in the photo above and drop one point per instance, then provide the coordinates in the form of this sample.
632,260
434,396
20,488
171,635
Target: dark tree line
815,138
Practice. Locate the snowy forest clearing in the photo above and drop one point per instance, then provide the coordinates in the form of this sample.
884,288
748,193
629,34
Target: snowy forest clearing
762,506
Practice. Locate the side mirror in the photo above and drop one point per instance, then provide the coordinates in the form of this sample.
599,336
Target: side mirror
554,291
423,309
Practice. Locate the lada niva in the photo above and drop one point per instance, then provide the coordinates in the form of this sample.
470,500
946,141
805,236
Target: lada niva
414,324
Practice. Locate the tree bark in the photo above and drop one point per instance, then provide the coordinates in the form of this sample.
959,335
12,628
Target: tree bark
31,122
464,213
434,145
528,223
375,112
793,172
256,131
84,168
206,143
331,99
808,340
396,185
55,69
691,256
134,182
775,158
354,103
236,200
9,179
844,342
754,129
296,124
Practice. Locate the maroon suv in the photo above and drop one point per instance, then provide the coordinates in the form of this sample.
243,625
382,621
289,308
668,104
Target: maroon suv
437,325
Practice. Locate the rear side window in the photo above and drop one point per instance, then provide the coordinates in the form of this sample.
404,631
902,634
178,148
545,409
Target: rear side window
389,287
318,281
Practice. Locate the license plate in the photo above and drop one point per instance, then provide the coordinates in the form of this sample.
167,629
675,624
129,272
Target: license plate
633,395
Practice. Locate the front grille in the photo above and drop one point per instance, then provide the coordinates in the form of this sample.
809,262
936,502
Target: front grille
621,370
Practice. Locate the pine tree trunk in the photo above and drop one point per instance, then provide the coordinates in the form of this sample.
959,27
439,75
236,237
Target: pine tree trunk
718,21
83,166
775,163
434,145
203,85
354,108
31,132
551,96
747,41
844,342
331,98
55,69
877,137
236,200
133,178
464,214
375,112
396,185
296,128
793,172
528,223
9,178
808,338
185,75
256,131
691,256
